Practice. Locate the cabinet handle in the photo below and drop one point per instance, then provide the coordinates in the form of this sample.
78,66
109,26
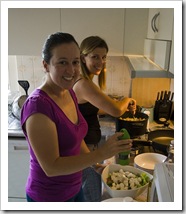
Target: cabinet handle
156,29
20,148
152,23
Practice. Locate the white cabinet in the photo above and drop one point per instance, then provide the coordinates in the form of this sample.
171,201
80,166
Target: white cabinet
136,24
124,29
18,168
107,23
160,23
29,27
171,65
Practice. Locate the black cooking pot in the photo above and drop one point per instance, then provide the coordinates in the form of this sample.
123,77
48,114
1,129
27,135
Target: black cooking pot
135,124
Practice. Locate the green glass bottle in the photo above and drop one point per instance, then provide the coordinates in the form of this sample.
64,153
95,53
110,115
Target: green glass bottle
124,157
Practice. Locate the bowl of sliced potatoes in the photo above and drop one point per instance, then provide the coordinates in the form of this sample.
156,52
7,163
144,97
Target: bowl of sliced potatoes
125,181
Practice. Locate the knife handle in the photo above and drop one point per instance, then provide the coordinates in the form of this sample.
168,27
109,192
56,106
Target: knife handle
168,96
165,95
161,96
158,96
172,96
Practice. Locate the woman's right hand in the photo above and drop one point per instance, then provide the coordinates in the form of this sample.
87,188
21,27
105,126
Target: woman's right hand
132,105
114,146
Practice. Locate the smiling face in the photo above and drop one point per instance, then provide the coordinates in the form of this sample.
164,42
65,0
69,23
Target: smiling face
95,61
64,66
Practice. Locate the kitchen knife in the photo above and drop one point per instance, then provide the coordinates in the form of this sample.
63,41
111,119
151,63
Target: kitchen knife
161,96
168,96
165,96
172,96
158,96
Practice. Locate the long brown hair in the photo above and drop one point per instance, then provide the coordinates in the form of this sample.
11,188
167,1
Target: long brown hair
86,47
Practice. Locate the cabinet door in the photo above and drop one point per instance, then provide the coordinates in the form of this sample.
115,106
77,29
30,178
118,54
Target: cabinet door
171,66
163,22
136,24
18,168
28,28
107,23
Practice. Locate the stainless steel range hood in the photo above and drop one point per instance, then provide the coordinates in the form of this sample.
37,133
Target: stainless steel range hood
155,61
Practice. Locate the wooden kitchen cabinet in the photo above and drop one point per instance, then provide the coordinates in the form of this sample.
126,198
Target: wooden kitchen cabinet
163,22
18,169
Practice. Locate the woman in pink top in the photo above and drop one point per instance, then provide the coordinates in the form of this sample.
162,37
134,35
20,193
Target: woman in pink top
55,128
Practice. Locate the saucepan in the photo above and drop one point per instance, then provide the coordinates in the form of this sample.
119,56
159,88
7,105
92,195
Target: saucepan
136,124
19,101
158,139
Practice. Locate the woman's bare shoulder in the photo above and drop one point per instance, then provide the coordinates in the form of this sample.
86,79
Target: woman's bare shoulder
82,83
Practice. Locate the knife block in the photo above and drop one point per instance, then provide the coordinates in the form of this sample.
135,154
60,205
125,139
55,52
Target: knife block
162,110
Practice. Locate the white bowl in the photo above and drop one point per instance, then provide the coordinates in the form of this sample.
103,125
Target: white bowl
147,161
123,193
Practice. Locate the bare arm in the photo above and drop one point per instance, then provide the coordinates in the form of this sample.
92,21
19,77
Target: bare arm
87,91
44,141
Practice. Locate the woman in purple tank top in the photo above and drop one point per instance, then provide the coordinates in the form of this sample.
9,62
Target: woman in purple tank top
55,128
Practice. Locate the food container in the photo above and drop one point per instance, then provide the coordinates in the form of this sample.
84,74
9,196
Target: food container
123,193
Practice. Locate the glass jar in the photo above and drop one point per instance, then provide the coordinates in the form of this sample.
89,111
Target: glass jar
170,157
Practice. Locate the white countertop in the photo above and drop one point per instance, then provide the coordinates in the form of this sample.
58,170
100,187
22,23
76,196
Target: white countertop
14,127
15,133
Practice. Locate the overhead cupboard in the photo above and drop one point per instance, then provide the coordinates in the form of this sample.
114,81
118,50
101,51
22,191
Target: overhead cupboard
160,23
124,29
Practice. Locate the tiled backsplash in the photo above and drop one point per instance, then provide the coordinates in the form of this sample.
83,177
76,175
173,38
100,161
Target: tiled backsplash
30,68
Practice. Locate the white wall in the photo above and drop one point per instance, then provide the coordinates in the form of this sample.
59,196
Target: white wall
30,68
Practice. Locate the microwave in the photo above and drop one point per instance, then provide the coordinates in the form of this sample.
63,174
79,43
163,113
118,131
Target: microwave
162,186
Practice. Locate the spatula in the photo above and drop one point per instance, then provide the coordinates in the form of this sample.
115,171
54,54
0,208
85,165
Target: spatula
25,85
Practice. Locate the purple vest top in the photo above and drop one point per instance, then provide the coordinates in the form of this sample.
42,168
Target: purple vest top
59,188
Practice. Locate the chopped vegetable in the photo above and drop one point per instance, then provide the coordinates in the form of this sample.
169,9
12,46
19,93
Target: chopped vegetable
124,180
